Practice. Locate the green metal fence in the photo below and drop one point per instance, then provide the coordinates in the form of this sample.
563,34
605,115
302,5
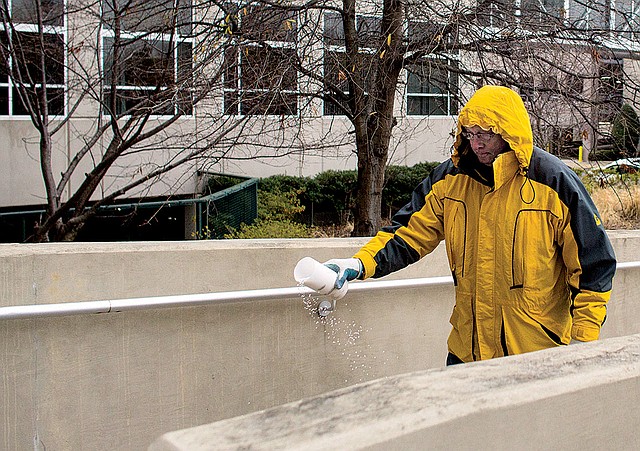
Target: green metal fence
215,215
228,209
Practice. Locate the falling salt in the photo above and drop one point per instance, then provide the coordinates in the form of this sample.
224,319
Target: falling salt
343,335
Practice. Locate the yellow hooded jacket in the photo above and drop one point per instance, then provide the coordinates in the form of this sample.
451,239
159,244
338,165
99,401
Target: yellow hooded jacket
531,262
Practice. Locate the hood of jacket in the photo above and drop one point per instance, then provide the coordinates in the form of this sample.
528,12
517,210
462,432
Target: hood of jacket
502,111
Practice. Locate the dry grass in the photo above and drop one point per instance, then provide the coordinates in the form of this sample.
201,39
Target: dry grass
333,231
619,206
339,231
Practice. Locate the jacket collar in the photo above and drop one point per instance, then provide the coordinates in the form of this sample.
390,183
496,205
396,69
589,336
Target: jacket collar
505,167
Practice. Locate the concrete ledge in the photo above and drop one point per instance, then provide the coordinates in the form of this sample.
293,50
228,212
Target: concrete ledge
118,381
581,397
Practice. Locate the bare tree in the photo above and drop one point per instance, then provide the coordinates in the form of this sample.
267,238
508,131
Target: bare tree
122,78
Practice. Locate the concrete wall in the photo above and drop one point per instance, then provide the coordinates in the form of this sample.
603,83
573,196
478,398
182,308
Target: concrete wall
582,397
120,380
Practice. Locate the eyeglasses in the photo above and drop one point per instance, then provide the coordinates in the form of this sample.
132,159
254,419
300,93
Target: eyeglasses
484,137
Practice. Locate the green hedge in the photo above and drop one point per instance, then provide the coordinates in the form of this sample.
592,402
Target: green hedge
329,197
290,207
400,183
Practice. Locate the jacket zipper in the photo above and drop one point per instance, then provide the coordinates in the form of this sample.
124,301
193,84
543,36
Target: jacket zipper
475,338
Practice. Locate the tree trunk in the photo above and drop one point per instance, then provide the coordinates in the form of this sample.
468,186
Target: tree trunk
374,136
368,211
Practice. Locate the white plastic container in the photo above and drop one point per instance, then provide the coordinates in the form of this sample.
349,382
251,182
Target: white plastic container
318,277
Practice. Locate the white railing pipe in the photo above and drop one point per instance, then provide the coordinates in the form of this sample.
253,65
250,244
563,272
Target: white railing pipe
192,300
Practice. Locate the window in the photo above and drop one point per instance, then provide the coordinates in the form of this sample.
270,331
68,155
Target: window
367,27
25,11
333,30
549,85
157,16
335,74
432,85
369,31
589,14
572,84
150,63
23,39
610,89
259,78
541,13
335,67
432,88
260,81
495,13
431,33
626,18
4,78
265,23
527,88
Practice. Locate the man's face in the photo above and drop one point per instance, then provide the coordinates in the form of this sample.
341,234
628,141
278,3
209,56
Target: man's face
485,144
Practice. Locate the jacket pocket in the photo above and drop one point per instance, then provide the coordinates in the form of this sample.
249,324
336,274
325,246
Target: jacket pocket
546,331
455,219
533,248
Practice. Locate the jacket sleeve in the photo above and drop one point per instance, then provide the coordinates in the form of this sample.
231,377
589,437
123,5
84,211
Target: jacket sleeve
589,259
415,230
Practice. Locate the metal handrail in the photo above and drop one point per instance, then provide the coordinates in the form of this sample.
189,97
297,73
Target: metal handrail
192,300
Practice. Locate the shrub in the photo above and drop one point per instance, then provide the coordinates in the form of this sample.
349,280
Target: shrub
276,210
329,197
218,225
334,189
217,183
625,131
272,229
623,139
283,183
278,206
400,181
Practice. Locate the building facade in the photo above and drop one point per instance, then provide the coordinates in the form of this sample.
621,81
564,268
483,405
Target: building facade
147,96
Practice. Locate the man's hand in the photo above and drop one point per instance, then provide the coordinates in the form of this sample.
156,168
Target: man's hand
347,269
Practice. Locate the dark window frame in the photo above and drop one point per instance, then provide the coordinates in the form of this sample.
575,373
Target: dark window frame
432,90
335,53
260,61
164,60
25,34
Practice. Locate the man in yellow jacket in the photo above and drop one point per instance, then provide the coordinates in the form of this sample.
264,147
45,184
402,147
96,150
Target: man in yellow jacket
531,262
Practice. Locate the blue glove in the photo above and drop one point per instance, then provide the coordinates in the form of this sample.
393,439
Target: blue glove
347,269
